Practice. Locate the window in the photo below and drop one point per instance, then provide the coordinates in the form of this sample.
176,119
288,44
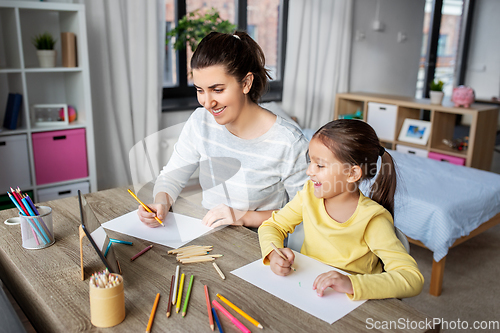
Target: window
263,20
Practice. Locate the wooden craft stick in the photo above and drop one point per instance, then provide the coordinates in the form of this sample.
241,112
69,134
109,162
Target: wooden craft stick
186,248
196,259
281,254
219,271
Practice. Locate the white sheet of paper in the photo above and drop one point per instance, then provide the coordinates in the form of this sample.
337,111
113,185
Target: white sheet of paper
296,288
178,230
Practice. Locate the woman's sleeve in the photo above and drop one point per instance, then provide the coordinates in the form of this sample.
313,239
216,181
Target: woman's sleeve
182,164
401,278
294,174
279,225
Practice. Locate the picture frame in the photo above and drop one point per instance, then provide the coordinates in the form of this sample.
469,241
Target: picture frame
415,131
50,115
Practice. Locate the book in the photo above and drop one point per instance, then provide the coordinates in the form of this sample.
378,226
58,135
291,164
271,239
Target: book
12,111
68,48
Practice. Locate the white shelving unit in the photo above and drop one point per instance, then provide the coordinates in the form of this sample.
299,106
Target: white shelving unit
20,73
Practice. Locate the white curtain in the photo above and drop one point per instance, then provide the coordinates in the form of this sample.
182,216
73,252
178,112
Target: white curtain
126,66
317,59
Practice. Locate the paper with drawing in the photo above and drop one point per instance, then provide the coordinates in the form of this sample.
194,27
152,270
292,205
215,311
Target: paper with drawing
296,288
178,230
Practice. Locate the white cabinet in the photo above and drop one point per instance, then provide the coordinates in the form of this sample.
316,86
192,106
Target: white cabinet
20,73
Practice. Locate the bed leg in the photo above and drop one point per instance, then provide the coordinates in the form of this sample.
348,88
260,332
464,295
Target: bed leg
437,277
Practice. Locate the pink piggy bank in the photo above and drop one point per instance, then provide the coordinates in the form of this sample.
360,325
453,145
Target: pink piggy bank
463,96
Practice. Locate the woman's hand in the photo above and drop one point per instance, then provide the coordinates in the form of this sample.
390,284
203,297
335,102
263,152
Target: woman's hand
160,209
221,215
279,265
335,280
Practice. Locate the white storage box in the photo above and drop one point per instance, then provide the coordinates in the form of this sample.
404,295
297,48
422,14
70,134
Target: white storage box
382,117
63,191
14,163
411,150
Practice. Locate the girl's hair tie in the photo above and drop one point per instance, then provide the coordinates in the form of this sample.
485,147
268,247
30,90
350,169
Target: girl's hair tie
236,36
381,151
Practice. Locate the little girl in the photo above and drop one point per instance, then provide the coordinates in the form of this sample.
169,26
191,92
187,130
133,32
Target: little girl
342,227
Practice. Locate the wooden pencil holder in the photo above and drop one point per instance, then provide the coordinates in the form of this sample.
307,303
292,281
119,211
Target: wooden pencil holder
107,305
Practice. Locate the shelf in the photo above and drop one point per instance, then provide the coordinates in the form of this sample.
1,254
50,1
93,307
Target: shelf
52,70
443,149
7,132
66,182
10,70
410,144
57,127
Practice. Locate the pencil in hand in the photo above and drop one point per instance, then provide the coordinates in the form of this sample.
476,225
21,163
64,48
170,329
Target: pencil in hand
281,254
145,207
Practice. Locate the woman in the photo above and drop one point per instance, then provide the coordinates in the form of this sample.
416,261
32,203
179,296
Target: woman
251,161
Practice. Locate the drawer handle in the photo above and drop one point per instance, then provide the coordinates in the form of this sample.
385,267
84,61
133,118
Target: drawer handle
64,192
3,143
60,137
411,152
381,108
443,160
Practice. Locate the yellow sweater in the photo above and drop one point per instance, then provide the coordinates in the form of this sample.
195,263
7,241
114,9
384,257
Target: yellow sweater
354,246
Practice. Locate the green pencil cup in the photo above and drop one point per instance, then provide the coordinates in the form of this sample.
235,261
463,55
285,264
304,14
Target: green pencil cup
37,231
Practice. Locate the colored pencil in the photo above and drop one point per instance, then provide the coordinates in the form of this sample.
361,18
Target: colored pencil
281,254
141,253
175,284
241,312
216,317
179,295
210,318
145,207
186,300
119,241
169,303
107,249
219,271
33,207
12,198
16,196
152,315
32,213
230,317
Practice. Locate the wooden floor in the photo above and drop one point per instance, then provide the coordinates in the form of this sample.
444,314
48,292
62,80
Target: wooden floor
19,312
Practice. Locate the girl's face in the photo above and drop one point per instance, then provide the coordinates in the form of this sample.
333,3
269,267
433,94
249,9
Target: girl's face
331,177
221,94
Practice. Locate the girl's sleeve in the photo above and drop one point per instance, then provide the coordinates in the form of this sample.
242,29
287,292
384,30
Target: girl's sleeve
182,164
401,278
279,225
294,173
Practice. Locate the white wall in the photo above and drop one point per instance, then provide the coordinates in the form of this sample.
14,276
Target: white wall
483,66
379,63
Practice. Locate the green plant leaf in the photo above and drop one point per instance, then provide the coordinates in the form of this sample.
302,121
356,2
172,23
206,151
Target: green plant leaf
44,41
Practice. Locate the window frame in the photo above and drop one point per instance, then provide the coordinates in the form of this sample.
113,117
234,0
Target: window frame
185,95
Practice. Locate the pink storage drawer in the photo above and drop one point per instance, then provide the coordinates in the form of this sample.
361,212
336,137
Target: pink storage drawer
447,158
60,155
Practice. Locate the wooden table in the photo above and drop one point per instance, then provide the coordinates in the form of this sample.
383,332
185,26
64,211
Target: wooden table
47,286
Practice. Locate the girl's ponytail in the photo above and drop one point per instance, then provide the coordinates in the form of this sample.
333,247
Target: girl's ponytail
384,187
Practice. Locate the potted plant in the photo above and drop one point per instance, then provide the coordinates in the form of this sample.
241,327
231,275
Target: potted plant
195,25
436,93
44,44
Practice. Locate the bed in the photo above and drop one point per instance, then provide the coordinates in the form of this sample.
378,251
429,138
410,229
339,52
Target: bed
440,205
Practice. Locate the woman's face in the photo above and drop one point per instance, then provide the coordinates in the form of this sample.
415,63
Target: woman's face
221,94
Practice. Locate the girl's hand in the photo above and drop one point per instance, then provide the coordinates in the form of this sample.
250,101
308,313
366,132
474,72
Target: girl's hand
335,280
148,218
221,215
279,265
